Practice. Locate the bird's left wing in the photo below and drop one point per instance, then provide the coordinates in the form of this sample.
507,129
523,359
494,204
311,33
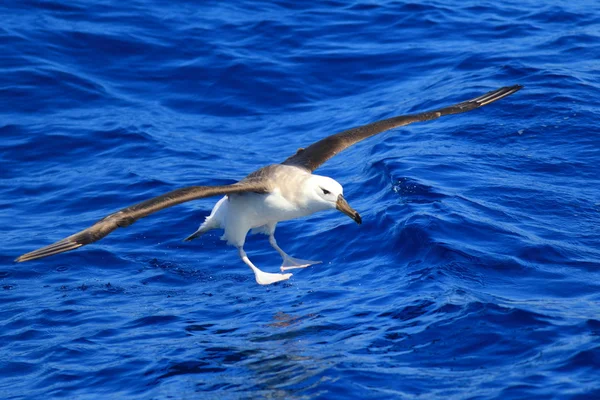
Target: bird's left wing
129,215
317,153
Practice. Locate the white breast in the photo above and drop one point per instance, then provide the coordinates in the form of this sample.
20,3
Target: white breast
239,213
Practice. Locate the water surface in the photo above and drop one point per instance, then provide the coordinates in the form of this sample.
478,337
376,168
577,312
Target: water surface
475,273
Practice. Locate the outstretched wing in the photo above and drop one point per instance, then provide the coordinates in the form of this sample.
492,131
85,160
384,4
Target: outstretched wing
129,215
316,154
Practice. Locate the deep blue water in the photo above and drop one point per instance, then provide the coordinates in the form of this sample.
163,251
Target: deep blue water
475,274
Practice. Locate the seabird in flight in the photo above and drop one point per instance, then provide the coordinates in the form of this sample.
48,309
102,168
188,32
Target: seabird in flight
274,193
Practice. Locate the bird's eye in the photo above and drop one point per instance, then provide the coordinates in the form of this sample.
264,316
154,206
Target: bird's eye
325,191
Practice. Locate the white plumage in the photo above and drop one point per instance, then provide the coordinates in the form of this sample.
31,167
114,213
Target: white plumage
295,193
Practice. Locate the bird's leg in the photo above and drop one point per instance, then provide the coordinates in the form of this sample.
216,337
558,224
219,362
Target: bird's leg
262,278
290,262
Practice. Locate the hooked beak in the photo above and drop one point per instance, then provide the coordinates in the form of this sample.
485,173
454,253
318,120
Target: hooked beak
344,207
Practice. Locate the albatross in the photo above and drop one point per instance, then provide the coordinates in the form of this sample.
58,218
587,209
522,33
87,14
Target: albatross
274,193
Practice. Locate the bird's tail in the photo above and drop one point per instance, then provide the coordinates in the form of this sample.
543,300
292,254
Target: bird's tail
201,231
209,224
213,221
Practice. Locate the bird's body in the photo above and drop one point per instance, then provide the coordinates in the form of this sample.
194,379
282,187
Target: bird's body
293,193
238,213
271,194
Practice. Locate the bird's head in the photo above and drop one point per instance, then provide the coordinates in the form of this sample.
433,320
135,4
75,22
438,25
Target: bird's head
327,193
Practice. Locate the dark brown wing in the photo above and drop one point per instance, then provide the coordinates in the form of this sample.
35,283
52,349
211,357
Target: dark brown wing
317,153
129,215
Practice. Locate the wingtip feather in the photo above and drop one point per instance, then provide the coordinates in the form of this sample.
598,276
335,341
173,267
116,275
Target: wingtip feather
55,248
494,95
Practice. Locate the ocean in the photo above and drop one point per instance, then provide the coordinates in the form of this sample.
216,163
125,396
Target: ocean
475,273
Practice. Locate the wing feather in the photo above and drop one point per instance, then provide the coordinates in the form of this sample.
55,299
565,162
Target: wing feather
316,154
129,215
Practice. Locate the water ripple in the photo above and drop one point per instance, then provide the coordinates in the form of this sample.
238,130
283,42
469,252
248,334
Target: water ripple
474,274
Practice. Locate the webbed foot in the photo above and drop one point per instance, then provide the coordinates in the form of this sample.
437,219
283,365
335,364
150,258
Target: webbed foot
293,263
267,278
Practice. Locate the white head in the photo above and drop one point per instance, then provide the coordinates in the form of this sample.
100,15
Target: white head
325,193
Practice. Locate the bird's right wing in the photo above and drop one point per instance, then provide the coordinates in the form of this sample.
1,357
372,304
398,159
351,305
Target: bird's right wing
129,215
317,153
